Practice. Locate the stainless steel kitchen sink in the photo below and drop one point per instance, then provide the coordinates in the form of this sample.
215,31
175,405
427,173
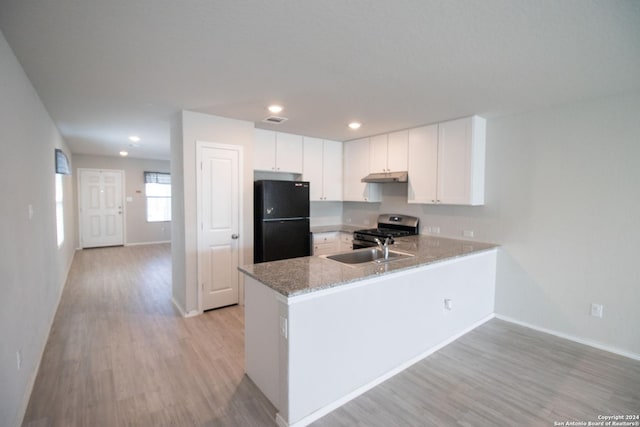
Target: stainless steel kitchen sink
362,256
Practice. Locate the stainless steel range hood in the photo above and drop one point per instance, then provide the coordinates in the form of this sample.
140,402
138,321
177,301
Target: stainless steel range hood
386,177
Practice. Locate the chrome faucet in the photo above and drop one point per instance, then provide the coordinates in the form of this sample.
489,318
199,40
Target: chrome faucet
384,247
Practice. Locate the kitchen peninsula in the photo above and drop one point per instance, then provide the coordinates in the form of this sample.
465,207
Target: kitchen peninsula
319,332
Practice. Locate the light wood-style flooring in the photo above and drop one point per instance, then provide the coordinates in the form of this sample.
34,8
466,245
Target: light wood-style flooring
119,354
500,374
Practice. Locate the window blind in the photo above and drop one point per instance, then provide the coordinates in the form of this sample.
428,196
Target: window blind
157,178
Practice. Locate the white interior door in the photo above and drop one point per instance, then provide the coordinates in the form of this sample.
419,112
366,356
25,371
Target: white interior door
219,222
101,214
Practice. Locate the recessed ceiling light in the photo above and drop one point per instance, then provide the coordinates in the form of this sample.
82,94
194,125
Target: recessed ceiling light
355,125
275,108
134,138
124,153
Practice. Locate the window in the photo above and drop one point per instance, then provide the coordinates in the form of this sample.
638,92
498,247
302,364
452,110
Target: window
59,210
157,189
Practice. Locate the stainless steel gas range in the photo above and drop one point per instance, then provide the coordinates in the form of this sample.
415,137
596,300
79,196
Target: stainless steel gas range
390,226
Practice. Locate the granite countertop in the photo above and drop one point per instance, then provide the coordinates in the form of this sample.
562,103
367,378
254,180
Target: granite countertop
345,228
298,276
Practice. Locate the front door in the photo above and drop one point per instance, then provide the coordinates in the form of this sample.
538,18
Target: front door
218,224
101,214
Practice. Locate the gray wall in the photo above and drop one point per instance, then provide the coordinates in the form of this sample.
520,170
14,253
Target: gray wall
138,230
33,269
186,130
562,199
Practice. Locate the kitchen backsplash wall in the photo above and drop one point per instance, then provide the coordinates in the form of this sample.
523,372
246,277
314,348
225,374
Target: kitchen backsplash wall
325,213
450,221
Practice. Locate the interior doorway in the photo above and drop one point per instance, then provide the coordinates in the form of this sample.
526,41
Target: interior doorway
219,226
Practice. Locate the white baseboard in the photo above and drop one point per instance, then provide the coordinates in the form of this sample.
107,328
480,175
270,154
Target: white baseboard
147,243
281,422
183,313
178,307
590,343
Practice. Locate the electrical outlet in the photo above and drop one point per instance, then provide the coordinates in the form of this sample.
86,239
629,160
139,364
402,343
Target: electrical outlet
448,304
19,359
468,233
434,229
283,327
596,310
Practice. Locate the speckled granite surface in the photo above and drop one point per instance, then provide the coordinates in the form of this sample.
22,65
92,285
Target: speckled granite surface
347,228
298,276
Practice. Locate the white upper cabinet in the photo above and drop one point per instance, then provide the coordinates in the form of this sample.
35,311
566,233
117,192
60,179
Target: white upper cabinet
446,162
356,166
277,151
423,165
322,167
397,151
264,150
288,152
388,152
332,170
378,153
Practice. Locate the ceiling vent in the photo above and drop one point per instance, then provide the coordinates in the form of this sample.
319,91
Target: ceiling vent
275,120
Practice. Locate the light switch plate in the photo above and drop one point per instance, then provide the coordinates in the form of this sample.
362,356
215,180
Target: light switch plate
596,310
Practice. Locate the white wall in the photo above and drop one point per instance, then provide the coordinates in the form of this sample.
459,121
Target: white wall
186,130
325,213
562,199
178,248
33,269
138,230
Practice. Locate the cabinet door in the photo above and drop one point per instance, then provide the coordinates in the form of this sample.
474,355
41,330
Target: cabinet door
312,168
378,154
397,151
454,162
325,243
356,167
346,241
332,170
423,164
288,152
264,150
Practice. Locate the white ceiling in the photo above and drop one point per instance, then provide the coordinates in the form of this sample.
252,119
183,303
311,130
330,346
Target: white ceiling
106,69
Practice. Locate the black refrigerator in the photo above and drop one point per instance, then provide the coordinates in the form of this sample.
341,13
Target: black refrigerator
281,220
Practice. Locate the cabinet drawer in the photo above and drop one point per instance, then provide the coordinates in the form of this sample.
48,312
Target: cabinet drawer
346,237
325,248
325,237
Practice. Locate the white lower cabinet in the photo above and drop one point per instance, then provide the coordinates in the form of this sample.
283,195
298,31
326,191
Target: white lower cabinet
346,241
447,162
326,243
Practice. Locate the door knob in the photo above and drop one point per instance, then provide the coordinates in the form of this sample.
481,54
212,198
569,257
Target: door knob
234,236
